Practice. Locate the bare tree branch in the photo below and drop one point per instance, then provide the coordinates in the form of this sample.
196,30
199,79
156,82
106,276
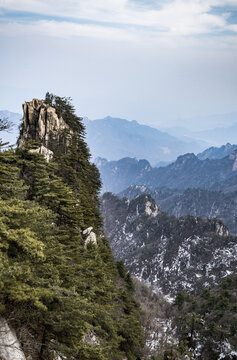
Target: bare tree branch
5,124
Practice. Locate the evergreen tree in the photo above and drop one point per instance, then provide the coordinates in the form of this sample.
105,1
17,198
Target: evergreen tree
49,282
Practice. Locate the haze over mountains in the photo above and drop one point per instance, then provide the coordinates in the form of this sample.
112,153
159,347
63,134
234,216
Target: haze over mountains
115,138
213,128
189,186
197,202
187,171
217,153
202,185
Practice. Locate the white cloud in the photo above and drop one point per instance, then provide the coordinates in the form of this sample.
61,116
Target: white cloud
233,27
121,19
64,30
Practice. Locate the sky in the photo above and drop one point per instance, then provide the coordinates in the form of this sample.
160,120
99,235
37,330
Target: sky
160,62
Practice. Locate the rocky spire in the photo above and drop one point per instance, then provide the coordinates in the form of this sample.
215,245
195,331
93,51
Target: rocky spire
41,123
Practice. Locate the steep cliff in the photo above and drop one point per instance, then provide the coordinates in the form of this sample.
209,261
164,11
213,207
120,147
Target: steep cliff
42,124
61,294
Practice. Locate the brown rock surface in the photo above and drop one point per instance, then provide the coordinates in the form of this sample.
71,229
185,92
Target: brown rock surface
41,123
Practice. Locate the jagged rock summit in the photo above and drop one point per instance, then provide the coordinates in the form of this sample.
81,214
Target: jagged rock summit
42,124
189,253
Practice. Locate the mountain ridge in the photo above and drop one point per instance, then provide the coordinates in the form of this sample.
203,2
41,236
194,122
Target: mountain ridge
217,152
187,171
172,254
115,138
193,201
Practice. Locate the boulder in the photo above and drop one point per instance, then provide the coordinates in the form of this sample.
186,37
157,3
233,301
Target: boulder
90,236
10,348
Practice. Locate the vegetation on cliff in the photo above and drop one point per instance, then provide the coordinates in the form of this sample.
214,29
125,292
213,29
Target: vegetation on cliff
72,300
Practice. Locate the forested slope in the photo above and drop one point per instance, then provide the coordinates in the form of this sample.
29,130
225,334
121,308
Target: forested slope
62,298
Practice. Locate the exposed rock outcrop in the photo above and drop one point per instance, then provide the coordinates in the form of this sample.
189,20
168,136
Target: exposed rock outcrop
42,124
91,338
10,348
90,236
48,154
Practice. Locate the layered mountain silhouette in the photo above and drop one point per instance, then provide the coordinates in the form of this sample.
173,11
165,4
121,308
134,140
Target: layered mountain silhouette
217,152
188,171
115,138
196,202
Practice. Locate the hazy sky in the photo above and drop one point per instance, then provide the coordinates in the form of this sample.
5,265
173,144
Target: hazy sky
155,61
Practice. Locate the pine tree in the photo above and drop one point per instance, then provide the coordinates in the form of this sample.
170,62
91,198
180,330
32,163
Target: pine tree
48,281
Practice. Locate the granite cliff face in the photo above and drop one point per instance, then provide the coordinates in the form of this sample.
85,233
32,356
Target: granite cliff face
42,124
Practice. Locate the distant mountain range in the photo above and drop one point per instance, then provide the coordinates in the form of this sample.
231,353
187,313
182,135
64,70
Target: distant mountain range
172,254
207,128
215,135
219,135
118,175
189,186
115,138
188,171
217,152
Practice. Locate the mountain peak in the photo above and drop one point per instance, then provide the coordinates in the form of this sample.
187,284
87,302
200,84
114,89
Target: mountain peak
144,205
188,156
40,119
116,138
217,152
42,123
184,160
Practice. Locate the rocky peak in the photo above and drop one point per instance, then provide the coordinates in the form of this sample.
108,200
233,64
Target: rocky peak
183,159
221,229
99,161
217,152
144,205
41,123
189,253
